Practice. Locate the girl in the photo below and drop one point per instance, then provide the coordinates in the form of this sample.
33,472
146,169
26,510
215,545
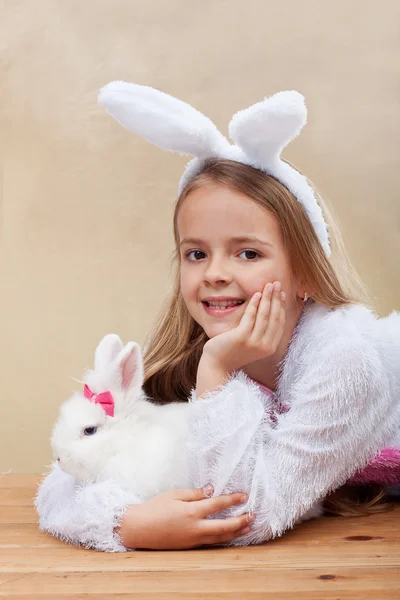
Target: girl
293,383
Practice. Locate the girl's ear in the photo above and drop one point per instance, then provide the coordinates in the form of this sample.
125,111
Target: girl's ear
106,352
130,367
305,288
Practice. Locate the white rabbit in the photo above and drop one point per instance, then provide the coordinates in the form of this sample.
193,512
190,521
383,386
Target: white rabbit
112,432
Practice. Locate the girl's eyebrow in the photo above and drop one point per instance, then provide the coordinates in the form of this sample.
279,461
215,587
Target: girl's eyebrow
237,239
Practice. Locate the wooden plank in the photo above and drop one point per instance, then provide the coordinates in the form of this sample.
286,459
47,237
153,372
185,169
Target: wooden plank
24,535
71,559
21,496
362,594
209,584
18,514
230,595
17,480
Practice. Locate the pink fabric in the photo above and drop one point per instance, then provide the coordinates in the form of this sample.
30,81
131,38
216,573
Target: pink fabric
383,469
279,409
105,399
265,389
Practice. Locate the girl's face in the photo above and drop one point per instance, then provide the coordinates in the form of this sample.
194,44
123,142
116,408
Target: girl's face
230,247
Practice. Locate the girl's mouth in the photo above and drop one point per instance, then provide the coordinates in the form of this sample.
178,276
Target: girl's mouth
221,309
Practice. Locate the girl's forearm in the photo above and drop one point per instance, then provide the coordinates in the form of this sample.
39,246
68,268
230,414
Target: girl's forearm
209,377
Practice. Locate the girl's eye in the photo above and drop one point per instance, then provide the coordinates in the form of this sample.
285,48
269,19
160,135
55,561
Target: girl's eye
198,255
251,254
90,430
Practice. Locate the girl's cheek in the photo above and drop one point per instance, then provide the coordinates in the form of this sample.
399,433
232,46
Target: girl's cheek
184,280
257,285
269,275
189,289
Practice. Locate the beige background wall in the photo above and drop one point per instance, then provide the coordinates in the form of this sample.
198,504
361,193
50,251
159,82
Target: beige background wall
86,206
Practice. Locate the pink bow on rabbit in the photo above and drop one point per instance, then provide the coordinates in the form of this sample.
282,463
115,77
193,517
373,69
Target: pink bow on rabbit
105,399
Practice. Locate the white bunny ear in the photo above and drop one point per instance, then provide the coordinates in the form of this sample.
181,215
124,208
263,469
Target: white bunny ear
264,129
107,350
129,366
161,119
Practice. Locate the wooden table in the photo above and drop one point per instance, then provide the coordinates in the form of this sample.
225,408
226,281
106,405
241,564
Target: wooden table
331,558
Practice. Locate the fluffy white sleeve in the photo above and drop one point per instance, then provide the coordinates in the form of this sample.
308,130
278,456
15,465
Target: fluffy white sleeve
344,407
85,515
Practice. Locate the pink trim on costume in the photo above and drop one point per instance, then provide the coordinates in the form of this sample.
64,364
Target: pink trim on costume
105,399
279,408
384,469
265,389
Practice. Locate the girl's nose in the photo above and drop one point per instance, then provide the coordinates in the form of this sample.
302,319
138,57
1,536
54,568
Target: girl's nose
217,273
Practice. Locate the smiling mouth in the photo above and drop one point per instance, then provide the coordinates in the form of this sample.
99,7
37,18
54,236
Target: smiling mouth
223,304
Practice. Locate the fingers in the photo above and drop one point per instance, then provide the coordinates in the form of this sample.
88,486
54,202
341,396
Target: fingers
222,531
279,321
276,322
226,526
214,505
270,320
249,316
264,309
223,539
276,313
264,314
191,495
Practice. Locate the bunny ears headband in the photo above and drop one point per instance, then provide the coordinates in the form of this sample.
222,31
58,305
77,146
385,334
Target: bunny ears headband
260,134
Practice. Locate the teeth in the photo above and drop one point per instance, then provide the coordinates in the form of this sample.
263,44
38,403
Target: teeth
224,304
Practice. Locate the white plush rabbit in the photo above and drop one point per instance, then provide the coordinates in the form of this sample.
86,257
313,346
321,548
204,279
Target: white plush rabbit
112,432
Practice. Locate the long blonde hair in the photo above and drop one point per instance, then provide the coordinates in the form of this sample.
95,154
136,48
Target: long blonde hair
174,347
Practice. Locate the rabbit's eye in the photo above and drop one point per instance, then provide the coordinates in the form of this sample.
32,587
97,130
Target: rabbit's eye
90,430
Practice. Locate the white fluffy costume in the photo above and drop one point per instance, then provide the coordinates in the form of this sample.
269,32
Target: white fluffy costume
340,379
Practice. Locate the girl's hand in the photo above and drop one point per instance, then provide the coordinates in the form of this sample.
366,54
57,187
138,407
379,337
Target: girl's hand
257,335
177,519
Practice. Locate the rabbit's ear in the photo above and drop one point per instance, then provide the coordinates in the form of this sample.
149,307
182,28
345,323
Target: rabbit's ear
130,367
161,119
264,129
107,350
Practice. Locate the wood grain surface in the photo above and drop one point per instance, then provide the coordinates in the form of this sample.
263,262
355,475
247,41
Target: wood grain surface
329,558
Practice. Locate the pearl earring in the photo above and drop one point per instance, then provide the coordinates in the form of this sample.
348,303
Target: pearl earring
305,297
